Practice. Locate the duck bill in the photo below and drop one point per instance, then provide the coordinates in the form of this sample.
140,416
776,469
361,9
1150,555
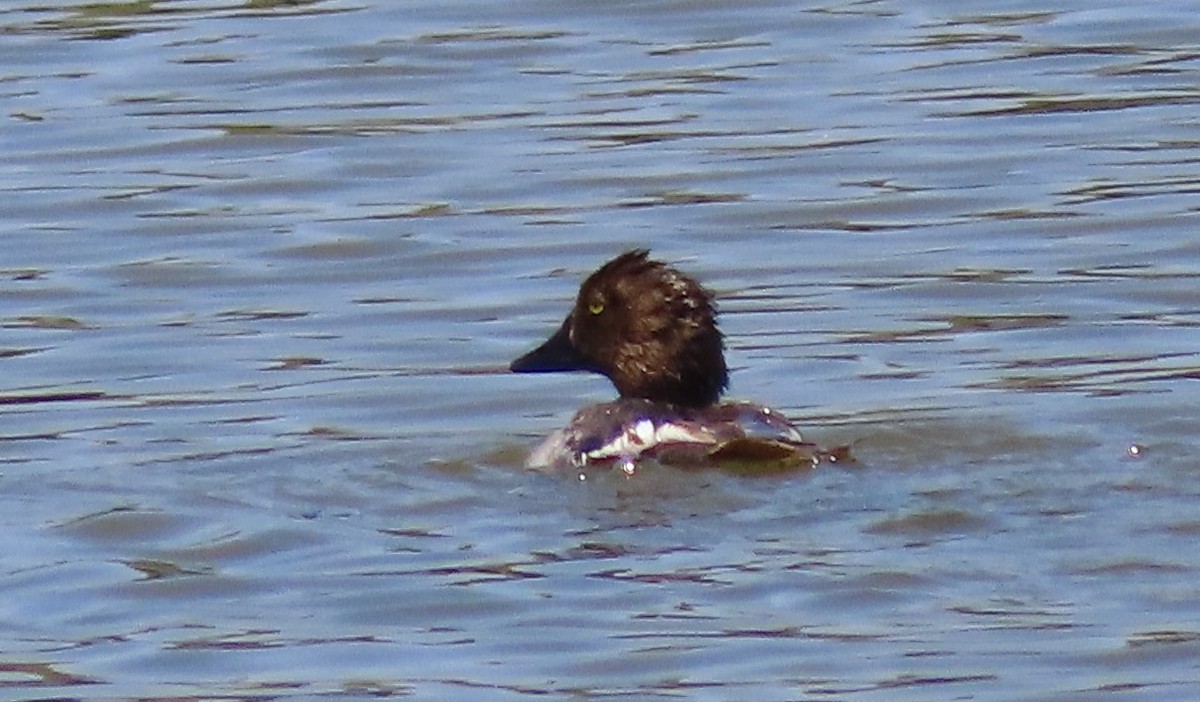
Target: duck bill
555,355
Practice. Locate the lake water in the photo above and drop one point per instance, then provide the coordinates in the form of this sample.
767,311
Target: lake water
264,265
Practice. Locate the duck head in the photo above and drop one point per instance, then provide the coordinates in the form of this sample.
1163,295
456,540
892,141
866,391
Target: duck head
647,327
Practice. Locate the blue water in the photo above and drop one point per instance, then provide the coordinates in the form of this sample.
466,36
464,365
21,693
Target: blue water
264,266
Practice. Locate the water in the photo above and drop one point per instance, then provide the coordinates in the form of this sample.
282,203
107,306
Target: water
264,265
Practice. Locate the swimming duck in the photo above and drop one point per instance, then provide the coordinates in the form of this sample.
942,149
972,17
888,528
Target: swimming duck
652,331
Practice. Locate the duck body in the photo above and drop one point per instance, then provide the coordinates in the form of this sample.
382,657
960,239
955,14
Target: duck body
627,430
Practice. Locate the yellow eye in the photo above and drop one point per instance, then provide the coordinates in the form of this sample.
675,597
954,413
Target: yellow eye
596,307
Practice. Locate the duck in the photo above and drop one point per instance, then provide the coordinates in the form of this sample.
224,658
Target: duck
652,331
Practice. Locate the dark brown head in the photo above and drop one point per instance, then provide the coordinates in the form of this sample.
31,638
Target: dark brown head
649,328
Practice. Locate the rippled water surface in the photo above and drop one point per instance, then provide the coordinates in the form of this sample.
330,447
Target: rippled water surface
264,264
